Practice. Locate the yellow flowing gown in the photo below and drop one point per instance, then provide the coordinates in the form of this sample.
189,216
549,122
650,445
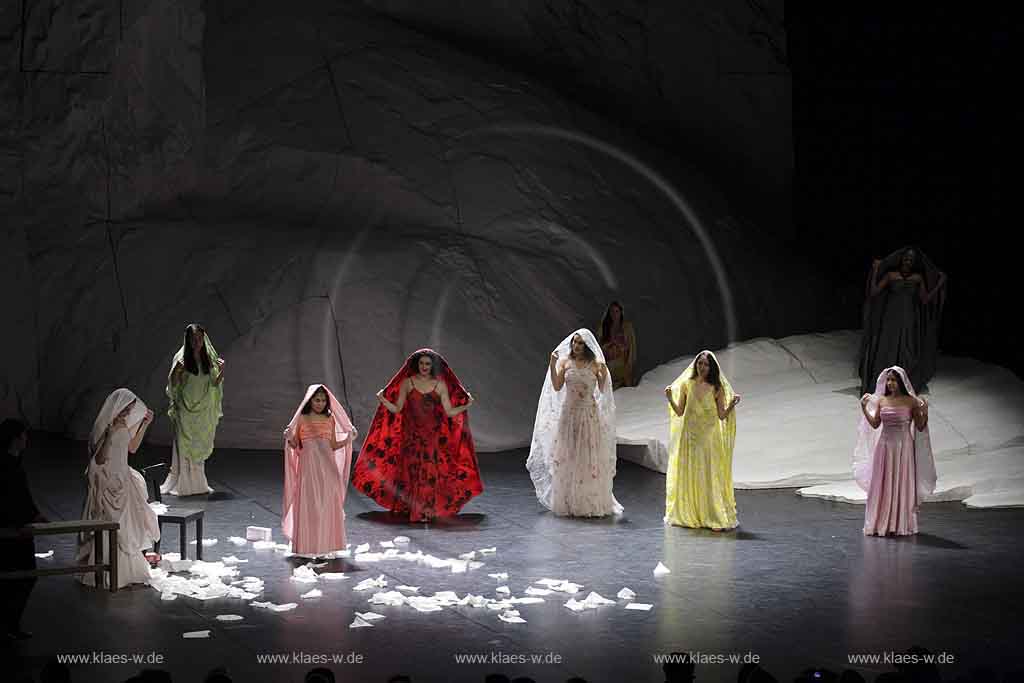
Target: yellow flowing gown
698,484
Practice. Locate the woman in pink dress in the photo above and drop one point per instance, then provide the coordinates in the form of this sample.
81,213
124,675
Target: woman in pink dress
317,461
894,465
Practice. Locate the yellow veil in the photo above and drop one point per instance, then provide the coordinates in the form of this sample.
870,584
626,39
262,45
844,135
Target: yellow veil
728,425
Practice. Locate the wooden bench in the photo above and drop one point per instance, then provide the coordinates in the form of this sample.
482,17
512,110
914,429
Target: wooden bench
181,517
75,527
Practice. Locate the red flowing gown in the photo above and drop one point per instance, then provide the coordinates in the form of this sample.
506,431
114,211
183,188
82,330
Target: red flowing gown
420,463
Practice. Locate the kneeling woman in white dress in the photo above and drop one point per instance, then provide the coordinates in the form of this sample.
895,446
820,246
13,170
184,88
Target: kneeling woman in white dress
572,454
117,493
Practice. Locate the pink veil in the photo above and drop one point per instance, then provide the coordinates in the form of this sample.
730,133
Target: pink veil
867,440
292,456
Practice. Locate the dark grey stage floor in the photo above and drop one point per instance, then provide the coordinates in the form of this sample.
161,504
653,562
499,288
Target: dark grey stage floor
797,585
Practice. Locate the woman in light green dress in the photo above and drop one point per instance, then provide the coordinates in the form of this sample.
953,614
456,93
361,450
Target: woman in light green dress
195,389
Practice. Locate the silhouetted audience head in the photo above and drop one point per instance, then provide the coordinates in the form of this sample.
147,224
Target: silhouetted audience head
151,676
985,675
816,675
496,678
54,672
320,675
851,676
218,675
920,671
576,679
679,669
753,673
523,679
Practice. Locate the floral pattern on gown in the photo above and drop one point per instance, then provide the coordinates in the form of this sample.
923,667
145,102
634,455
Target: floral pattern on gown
420,462
699,491
582,475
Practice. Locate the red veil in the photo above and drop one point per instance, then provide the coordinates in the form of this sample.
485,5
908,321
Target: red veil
441,487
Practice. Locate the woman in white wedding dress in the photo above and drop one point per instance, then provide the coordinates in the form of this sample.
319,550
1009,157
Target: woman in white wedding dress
572,454
117,493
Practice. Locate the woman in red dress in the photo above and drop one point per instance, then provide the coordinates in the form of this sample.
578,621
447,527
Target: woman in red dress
418,459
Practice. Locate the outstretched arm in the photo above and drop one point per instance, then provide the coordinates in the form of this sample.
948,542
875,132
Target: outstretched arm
292,436
556,368
679,407
136,441
921,414
878,285
219,379
873,420
724,410
403,391
178,374
446,403
926,296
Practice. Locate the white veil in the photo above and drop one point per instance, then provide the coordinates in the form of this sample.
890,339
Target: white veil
549,411
117,401
868,436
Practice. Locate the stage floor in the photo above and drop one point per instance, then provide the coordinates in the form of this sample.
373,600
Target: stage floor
797,585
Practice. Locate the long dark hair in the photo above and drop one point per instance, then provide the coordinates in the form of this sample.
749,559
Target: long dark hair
714,374
899,380
188,359
308,408
435,363
10,430
606,321
588,353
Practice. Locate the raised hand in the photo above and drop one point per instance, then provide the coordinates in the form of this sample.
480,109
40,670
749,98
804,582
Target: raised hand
668,392
864,399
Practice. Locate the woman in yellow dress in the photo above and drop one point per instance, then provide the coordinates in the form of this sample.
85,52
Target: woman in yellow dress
702,432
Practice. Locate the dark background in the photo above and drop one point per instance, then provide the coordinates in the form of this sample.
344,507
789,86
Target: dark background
901,127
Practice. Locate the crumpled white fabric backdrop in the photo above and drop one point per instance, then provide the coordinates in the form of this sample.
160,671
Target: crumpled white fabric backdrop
798,419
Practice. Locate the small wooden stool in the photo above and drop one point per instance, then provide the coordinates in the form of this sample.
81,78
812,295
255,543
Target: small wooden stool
181,517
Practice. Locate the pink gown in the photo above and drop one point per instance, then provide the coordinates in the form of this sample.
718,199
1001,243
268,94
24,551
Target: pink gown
892,497
318,508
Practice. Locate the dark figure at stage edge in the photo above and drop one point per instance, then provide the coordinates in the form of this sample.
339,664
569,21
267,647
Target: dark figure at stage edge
905,294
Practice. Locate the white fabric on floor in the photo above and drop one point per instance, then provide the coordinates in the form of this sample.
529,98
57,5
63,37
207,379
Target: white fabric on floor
798,418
